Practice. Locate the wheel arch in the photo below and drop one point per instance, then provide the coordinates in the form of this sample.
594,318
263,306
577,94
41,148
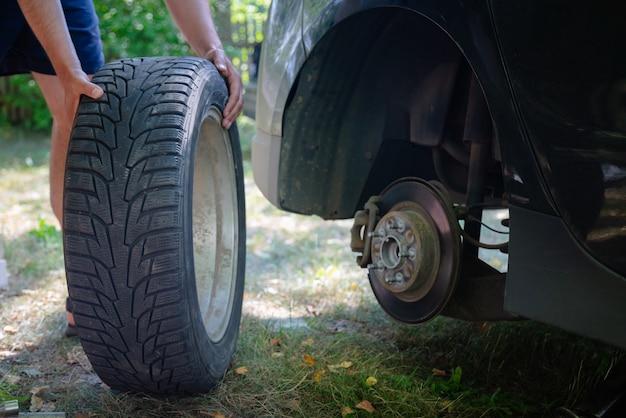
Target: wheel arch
374,86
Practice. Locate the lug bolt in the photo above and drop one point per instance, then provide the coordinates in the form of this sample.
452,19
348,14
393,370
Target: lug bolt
399,277
412,252
400,226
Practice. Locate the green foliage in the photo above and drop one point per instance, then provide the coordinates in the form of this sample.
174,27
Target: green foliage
45,232
24,97
138,28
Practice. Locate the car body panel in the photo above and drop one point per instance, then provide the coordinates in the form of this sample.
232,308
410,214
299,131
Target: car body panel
282,57
571,92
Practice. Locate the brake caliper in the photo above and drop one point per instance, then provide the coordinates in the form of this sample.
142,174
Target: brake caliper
361,233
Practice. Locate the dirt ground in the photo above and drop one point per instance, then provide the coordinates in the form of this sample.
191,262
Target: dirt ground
313,341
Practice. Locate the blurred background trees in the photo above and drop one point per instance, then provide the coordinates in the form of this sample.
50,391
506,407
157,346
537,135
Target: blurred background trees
136,28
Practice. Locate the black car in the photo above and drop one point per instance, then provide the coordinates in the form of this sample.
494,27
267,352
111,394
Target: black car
429,113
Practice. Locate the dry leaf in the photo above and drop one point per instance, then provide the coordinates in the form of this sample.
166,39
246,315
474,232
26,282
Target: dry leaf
10,329
293,404
440,373
354,286
216,414
317,376
40,400
308,360
346,410
342,365
308,342
275,342
371,381
77,356
241,370
366,406
277,354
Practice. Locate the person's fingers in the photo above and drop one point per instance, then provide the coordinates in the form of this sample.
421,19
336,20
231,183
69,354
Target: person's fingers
90,89
235,89
237,108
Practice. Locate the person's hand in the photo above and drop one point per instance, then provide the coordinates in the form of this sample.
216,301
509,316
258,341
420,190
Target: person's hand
235,87
76,83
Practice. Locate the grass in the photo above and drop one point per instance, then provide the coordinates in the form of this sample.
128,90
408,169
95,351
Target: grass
311,339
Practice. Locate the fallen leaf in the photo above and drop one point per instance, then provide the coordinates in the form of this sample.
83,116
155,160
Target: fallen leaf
308,342
277,354
241,370
371,381
7,354
216,414
40,400
484,327
440,373
346,410
309,360
354,286
342,365
275,342
39,390
317,376
77,356
366,406
293,404
10,329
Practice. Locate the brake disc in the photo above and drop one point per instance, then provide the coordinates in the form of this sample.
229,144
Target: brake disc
414,250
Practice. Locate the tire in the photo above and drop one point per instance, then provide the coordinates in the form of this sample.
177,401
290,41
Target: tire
154,227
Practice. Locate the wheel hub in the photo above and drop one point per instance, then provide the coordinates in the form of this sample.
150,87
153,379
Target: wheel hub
405,251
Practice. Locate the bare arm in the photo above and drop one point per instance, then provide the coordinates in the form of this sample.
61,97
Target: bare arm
193,17
47,21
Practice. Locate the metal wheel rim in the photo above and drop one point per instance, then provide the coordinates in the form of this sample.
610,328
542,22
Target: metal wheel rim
214,225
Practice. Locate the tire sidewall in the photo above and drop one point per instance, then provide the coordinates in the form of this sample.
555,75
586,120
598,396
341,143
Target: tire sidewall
214,356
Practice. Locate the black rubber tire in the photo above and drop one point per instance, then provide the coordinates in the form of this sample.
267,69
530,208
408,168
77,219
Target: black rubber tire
128,231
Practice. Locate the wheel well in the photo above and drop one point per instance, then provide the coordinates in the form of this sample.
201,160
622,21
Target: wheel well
378,98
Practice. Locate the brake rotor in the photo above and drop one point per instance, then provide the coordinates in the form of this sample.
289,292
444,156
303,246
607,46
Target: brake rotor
415,251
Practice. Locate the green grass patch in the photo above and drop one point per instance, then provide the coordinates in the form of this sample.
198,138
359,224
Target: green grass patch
37,252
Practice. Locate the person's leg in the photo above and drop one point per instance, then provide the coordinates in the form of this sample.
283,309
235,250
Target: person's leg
55,99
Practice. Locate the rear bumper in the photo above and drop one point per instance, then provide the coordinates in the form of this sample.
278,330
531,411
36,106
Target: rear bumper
266,163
